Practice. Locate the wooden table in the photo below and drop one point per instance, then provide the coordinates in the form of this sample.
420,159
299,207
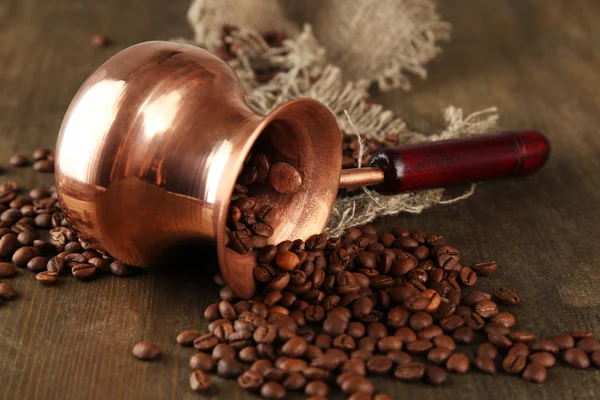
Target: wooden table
536,60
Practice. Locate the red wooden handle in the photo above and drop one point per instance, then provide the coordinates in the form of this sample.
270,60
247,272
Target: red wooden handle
469,159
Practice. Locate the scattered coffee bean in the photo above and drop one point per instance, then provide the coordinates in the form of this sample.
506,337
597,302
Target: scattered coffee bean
272,391
543,358
146,351
47,277
250,380
201,361
458,363
284,178
199,381
576,358
506,296
7,270
535,373
485,364
7,291
18,160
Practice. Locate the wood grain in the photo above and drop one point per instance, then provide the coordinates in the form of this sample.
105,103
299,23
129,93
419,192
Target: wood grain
536,60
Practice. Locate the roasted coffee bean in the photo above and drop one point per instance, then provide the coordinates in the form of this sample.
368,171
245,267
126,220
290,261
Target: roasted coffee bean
564,341
492,327
355,366
26,238
23,255
240,242
7,270
543,358
83,271
438,355
379,364
582,333
316,388
486,309
287,260
504,318
451,323
7,291
37,264
294,347
199,381
588,345
458,363
435,375
544,345
315,373
229,368
201,361
485,268
44,166
272,391
410,372
519,349
47,277
248,354
467,276
535,373
506,296
18,160
523,337
284,178
120,269
514,364
278,283
357,384
485,364
356,329
420,320
223,350
499,340
265,334
406,334
294,381
419,346
463,335
389,343
487,350
146,351
206,342
576,358
250,380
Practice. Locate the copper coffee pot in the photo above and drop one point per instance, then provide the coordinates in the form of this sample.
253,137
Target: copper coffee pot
152,144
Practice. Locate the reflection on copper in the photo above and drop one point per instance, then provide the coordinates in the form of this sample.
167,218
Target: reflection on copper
152,144
358,177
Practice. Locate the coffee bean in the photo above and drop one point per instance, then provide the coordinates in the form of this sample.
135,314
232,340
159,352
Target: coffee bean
435,375
485,364
44,166
287,260
240,242
201,361
506,296
23,255
576,358
420,320
419,346
499,340
272,391
485,268
7,291
543,358
486,309
389,343
250,380
47,277
284,178
199,381
487,350
37,264
588,345
357,384
410,372
146,351
18,160
514,364
294,381
523,337
316,388
451,323
229,368
278,283
564,341
458,363
223,350
438,355
83,271
119,269
504,318
7,270
379,364
206,342
544,345
582,333
294,347
535,373
265,334
468,277
444,341
519,349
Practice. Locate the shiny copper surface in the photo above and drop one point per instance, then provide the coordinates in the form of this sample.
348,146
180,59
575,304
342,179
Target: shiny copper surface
357,177
152,144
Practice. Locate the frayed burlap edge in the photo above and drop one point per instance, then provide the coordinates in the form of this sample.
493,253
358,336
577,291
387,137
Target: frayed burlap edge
307,74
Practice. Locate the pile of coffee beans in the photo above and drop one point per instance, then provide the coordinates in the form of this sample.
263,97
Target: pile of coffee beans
43,160
332,311
35,236
248,221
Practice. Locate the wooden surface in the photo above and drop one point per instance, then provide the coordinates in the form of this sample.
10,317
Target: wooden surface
536,60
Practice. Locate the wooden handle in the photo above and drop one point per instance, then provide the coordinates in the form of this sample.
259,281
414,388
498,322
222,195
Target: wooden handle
470,159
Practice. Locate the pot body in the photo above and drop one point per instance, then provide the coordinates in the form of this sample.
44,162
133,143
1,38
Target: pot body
152,144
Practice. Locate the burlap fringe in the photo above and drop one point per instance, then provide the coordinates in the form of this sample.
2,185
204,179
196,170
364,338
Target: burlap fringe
308,75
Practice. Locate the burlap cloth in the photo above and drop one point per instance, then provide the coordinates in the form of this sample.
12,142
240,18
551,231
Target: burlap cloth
335,51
